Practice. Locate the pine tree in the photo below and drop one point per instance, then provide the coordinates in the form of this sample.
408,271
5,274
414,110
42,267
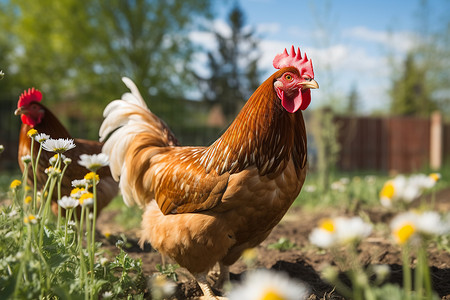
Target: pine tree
410,93
233,67
353,101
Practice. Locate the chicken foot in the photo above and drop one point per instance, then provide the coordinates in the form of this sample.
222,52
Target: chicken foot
224,276
206,288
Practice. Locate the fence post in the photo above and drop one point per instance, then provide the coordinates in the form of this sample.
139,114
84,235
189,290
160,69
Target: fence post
436,141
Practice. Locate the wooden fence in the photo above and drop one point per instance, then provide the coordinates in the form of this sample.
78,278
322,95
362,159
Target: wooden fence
399,144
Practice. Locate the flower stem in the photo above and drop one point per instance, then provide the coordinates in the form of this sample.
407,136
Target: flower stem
59,194
94,192
65,227
45,212
80,247
406,272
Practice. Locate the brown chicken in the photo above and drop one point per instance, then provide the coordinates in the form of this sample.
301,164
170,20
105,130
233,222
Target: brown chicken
35,115
205,205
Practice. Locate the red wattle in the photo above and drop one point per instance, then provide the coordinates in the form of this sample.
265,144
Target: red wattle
27,120
306,99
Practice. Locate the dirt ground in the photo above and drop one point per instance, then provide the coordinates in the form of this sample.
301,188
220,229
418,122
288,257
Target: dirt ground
303,262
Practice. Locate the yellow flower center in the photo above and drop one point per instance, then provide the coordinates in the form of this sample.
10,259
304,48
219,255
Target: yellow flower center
32,132
272,295
76,190
387,191
435,176
29,219
90,176
328,225
27,199
15,183
404,233
85,196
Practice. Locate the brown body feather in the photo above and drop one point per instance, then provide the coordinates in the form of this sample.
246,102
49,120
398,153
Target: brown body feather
107,188
214,202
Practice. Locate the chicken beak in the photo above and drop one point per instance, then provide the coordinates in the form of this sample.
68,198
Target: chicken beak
311,84
18,111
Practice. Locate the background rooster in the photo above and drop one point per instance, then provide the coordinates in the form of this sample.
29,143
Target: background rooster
208,204
35,115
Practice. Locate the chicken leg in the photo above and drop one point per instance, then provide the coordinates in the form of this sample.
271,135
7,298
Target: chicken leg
206,288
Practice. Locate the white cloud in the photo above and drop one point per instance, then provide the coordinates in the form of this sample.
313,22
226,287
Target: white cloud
402,41
355,60
268,28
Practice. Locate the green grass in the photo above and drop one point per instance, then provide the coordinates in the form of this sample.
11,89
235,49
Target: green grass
353,190
128,217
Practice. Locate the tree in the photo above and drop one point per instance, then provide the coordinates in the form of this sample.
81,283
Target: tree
410,93
353,101
80,49
421,84
234,71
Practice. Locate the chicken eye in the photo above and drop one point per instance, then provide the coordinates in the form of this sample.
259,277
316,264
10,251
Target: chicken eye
288,77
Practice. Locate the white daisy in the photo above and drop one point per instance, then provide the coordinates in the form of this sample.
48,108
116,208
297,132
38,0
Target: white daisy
107,295
412,226
77,192
339,231
350,229
404,228
406,189
338,186
51,171
58,146
265,284
26,159
162,287
93,162
41,137
30,219
86,199
54,159
398,189
431,223
68,202
79,183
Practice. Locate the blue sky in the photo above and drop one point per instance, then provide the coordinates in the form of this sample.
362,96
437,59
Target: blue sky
348,41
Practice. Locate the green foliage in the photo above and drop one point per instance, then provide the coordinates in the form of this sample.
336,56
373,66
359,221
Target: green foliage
76,52
411,96
168,270
325,138
124,276
234,73
283,244
420,83
44,258
348,190
394,292
54,270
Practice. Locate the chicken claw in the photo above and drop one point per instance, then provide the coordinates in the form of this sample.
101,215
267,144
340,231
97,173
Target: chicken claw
206,288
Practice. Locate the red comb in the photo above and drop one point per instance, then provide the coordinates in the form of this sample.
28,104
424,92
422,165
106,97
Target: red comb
28,96
304,65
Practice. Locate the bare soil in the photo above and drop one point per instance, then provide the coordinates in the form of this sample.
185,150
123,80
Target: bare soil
303,261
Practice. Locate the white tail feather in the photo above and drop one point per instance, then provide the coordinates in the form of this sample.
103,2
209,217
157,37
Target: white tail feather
126,118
